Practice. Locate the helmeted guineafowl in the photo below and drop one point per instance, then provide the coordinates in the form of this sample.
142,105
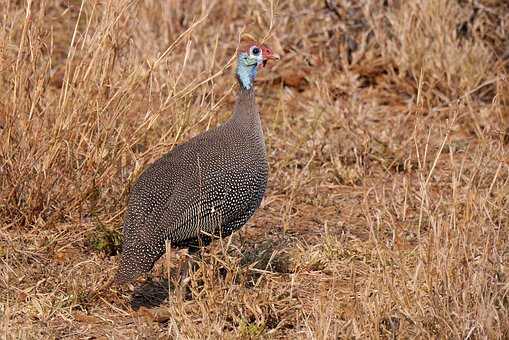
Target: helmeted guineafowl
208,187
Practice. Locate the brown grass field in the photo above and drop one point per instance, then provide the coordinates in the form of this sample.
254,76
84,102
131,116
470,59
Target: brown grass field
387,129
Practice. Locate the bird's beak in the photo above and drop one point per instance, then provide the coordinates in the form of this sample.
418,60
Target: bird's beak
270,56
273,56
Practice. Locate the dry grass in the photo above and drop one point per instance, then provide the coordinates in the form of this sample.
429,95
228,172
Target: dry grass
387,124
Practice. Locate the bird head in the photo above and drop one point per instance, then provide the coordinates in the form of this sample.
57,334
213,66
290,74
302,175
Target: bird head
255,54
251,56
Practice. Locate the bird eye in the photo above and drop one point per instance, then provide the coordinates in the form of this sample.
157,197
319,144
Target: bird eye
255,50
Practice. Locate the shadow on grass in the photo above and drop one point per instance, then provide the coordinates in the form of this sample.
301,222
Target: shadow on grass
150,294
268,255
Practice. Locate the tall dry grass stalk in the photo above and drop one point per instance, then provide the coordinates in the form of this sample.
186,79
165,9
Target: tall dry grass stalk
387,128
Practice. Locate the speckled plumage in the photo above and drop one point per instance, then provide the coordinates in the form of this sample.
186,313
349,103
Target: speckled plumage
210,185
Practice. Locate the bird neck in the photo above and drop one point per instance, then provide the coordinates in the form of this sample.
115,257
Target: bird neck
245,106
246,112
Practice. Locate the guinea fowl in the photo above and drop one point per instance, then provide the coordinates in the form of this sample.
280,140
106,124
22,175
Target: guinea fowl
205,188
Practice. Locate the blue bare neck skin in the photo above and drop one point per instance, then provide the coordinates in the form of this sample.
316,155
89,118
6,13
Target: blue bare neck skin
246,74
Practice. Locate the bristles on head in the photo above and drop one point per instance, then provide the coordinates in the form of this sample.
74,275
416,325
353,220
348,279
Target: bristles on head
246,38
246,41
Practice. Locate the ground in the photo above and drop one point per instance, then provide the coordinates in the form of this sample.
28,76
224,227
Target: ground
387,130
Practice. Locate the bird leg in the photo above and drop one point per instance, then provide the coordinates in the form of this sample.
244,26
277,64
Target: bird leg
182,280
167,258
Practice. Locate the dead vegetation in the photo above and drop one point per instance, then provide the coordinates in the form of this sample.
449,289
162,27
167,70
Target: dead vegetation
387,124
